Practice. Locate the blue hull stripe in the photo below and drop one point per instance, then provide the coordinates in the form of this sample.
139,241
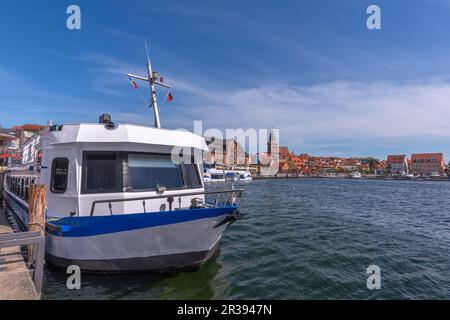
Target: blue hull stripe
98,225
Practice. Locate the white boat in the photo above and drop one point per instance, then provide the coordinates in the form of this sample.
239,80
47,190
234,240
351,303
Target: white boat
354,175
216,175
231,176
245,176
116,200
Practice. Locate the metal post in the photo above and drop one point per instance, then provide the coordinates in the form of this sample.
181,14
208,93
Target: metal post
39,268
153,101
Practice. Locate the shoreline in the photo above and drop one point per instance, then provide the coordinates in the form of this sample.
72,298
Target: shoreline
345,178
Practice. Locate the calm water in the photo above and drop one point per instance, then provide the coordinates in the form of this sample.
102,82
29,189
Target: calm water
309,239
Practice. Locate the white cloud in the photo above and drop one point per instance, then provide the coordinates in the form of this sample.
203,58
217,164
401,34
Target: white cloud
337,110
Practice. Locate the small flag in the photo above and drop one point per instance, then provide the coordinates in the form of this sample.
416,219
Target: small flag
133,83
169,97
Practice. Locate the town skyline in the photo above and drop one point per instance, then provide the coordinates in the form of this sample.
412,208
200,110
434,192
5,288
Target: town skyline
15,129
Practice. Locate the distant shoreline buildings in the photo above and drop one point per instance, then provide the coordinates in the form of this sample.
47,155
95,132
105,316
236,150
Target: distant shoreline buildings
229,154
420,164
11,139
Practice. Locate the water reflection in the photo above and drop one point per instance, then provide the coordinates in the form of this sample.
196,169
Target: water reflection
179,285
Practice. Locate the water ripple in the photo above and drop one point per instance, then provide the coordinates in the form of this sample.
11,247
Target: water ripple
310,239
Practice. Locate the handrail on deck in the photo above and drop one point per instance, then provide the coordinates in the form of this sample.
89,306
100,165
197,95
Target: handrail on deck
233,194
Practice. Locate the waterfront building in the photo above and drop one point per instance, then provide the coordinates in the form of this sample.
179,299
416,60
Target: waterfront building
427,164
397,164
269,161
284,153
26,131
299,162
8,143
12,139
225,152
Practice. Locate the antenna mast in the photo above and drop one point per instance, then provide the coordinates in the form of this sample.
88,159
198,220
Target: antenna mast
152,78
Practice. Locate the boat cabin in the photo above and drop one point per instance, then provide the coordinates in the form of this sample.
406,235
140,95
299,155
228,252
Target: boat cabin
86,163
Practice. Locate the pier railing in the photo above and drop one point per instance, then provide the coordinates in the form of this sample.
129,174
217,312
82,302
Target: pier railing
36,261
213,199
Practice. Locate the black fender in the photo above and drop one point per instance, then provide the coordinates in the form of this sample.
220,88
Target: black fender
230,219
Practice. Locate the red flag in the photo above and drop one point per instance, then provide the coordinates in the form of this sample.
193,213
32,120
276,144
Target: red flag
133,83
169,97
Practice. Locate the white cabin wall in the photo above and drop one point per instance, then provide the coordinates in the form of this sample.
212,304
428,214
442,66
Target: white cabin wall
61,204
85,200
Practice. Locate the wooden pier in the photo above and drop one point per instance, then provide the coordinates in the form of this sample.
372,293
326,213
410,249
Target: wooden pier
15,280
20,279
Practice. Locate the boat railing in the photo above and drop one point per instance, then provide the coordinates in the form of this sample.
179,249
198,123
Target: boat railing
212,199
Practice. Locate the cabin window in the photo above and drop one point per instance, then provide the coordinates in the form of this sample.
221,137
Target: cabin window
191,176
60,171
148,172
102,172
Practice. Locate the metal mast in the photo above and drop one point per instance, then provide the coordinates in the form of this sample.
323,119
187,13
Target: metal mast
152,80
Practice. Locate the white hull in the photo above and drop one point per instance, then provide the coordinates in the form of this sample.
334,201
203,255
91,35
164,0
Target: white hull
190,240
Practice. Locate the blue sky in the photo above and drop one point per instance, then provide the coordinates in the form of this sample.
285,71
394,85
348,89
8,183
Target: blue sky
310,68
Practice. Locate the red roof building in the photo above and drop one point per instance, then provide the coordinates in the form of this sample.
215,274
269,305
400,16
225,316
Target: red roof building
397,164
427,163
28,127
26,131
284,153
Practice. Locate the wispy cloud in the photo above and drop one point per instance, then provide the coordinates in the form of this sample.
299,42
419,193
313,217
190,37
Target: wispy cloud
131,36
336,111
339,109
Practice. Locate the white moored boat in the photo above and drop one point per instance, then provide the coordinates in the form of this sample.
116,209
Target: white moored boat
116,200
216,175
245,176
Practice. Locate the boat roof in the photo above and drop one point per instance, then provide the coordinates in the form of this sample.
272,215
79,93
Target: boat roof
125,133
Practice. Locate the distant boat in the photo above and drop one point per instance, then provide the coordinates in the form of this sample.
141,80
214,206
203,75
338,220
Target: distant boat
354,175
232,176
245,176
216,175
435,175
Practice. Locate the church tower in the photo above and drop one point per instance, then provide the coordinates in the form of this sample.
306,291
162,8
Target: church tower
272,143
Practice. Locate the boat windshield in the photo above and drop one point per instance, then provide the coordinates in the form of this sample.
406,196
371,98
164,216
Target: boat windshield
128,171
148,172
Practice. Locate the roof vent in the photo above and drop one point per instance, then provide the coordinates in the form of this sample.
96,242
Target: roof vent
106,120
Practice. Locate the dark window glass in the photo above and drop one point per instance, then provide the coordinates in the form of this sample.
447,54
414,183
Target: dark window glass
192,176
60,168
148,172
102,173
